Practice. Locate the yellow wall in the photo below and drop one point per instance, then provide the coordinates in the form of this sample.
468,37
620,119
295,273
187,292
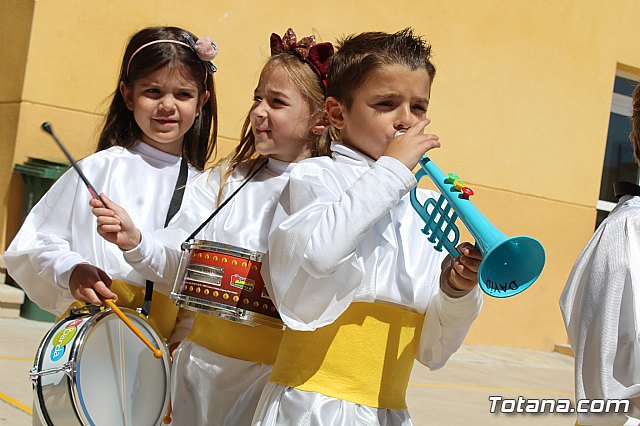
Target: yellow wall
521,102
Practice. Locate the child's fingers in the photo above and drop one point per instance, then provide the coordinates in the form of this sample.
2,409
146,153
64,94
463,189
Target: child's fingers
88,295
470,250
430,141
103,286
109,203
104,291
108,220
95,203
101,211
462,270
418,127
104,230
470,263
458,281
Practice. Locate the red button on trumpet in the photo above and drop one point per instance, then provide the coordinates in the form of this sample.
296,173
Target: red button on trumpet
466,193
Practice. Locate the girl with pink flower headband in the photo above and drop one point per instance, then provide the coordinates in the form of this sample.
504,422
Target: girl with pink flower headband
220,369
159,132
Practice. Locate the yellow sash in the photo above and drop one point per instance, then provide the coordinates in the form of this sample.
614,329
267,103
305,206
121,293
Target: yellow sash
235,340
163,311
365,356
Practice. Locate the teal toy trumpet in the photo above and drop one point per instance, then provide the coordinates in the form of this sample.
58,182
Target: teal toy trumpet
509,265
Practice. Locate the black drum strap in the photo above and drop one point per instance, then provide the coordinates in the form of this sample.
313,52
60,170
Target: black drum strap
174,207
625,188
221,206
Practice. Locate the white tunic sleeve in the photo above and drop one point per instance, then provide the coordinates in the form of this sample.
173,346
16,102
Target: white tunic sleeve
157,256
447,322
40,257
316,272
60,230
601,309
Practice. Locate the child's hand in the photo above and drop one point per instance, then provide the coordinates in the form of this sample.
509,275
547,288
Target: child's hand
463,272
173,348
114,224
90,284
409,147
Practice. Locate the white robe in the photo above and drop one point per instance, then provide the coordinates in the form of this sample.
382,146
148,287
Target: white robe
601,308
209,388
345,232
60,231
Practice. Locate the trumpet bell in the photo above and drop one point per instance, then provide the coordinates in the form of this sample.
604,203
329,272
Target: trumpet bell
510,267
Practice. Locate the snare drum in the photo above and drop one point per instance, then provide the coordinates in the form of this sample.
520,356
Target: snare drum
225,281
93,370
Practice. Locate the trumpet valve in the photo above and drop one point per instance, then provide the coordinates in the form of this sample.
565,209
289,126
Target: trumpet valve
466,193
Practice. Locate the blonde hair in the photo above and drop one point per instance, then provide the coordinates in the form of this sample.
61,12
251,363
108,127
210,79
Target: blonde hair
312,90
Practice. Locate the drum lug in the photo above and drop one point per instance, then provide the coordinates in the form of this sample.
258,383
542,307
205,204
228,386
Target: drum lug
67,368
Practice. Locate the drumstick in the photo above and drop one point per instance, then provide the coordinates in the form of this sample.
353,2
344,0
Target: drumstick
46,126
156,352
167,419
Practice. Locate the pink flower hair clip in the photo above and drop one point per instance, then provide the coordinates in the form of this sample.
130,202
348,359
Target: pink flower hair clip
205,49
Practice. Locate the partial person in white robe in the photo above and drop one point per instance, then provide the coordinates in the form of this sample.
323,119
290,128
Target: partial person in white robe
213,382
59,232
160,128
221,368
317,275
600,305
361,290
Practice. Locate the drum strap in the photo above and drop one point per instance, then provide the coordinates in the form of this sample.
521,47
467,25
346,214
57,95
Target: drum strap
174,206
625,188
225,202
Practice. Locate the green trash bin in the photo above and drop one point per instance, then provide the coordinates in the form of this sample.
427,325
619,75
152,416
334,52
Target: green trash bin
38,175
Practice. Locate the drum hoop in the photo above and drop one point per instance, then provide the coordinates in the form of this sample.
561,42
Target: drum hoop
226,248
244,316
78,343
41,409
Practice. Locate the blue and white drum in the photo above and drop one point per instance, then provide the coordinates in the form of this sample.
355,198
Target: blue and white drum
91,369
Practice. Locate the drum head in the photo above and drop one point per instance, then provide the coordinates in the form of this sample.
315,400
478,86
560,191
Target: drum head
118,381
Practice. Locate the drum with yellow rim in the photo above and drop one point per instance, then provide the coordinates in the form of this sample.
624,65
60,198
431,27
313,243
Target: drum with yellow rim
225,281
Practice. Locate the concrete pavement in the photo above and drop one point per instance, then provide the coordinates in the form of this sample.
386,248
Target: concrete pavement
455,395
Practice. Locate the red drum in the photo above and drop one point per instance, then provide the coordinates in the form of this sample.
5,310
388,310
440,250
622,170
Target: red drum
225,281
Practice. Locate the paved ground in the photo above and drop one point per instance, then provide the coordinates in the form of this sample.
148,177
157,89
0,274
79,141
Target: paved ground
455,395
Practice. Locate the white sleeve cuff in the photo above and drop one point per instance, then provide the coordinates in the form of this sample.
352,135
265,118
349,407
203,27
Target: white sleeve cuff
457,312
401,171
64,268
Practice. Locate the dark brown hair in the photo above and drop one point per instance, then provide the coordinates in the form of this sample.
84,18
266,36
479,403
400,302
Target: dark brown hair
120,127
358,56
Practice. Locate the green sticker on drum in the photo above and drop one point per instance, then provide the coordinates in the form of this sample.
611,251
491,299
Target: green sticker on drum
64,336
242,283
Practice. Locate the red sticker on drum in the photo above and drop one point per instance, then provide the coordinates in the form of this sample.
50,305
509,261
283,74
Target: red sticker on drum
242,283
74,323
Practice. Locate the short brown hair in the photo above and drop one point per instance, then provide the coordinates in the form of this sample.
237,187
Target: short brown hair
358,56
